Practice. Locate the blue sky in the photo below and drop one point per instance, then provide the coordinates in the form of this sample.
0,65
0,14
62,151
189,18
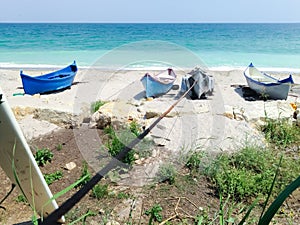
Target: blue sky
150,11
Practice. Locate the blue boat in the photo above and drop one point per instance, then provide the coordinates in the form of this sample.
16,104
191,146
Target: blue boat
159,84
266,85
54,81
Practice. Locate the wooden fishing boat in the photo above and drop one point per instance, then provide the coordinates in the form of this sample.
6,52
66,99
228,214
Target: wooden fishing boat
54,81
266,85
204,83
159,84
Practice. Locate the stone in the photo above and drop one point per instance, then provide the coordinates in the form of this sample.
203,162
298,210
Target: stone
70,166
151,114
112,222
100,120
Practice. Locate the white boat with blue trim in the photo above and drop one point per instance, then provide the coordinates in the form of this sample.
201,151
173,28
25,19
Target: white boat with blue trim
266,85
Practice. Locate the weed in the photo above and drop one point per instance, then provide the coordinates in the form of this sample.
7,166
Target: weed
84,217
155,214
50,178
21,198
100,191
280,132
84,174
122,195
59,147
135,128
194,161
116,143
43,156
96,105
250,172
167,173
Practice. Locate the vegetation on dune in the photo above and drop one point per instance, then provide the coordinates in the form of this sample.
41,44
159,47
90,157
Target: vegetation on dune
251,183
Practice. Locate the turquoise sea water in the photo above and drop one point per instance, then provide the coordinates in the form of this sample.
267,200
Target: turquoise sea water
146,45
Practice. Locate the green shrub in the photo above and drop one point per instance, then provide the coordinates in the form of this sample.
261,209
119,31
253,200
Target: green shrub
43,156
280,132
250,172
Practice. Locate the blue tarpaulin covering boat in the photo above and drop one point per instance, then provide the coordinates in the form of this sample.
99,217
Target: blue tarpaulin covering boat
54,81
159,84
266,85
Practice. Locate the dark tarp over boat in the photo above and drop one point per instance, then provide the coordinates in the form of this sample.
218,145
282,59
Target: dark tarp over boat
204,85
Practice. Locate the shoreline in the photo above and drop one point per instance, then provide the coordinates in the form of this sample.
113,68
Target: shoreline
45,67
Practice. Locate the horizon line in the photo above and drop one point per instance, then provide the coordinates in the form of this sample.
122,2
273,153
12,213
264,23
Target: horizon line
156,22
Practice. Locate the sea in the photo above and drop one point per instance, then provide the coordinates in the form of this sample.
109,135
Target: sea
150,45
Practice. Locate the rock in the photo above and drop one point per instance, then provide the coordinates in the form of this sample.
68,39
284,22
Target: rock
149,99
70,166
100,120
138,162
21,112
151,114
86,120
136,156
112,222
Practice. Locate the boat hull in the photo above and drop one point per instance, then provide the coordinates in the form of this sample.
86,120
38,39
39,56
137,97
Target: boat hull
55,81
266,85
155,86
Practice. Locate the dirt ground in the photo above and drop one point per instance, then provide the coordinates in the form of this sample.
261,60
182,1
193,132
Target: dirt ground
180,203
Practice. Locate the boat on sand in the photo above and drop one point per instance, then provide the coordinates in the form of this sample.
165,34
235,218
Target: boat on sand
50,82
266,85
159,84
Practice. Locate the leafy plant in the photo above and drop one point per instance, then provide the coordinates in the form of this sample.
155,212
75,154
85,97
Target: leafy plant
155,214
100,191
50,178
96,105
43,156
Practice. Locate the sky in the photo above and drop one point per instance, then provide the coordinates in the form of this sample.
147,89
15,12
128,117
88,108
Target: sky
149,11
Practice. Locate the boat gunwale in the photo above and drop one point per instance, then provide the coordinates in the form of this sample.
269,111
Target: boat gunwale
171,80
47,76
285,81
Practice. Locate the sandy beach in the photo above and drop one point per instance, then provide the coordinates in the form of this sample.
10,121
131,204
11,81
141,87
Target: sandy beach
223,121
